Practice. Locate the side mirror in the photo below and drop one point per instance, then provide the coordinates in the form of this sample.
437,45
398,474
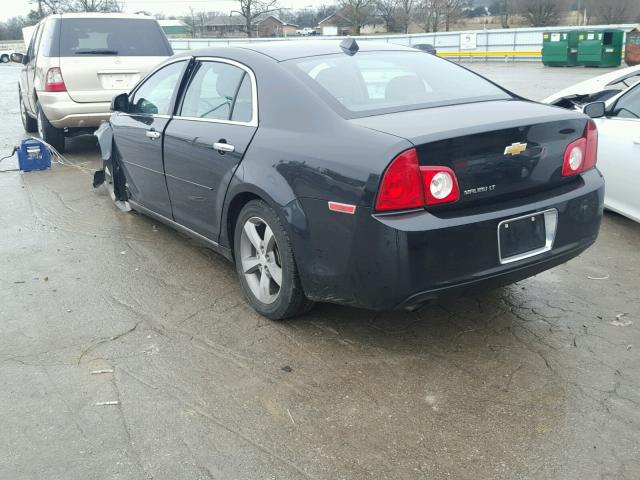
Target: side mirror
19,58
595,109
120,103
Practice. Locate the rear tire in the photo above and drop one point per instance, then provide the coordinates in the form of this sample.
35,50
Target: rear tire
50,134
29,123
261,267
4,58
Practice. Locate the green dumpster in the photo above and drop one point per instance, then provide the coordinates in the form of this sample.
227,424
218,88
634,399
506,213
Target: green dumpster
600,48
560,49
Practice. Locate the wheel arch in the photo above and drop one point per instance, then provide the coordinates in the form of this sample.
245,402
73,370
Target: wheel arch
241,194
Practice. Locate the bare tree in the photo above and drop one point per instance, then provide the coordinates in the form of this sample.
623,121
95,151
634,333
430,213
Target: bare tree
252,9
357,11
46,7
541,13
430,15
613,11
406,10
387,10
451,10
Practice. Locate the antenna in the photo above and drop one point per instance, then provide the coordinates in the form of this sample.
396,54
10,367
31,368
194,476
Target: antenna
349,46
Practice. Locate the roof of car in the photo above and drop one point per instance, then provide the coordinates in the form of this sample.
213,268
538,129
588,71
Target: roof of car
103,15
287,50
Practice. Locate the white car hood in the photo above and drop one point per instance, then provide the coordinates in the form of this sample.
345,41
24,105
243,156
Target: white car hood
594,85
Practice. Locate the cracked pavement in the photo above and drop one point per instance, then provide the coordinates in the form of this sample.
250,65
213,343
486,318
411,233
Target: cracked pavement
538,380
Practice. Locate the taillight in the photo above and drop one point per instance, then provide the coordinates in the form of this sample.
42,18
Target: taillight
54,81
582,154
406,185
440,185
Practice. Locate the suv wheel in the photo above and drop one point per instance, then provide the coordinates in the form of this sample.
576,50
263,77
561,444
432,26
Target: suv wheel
50,134
29,123
265,264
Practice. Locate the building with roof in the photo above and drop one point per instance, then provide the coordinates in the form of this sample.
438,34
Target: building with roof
175,28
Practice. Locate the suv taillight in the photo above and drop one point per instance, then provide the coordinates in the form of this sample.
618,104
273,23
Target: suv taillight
582,154
54,81
406,185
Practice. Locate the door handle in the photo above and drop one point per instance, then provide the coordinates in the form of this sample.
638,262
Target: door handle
152,134
223,147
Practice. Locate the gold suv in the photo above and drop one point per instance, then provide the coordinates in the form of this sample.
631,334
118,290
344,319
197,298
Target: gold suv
76,63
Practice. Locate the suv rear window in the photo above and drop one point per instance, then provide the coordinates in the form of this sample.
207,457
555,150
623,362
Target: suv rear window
112,36
371,83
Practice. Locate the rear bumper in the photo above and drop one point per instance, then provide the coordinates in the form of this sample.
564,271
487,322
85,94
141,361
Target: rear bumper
63,112
400,261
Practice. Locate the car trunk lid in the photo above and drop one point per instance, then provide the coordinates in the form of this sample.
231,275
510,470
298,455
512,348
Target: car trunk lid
99,79
496,149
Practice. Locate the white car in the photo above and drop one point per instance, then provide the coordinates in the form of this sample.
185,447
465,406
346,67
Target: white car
613,100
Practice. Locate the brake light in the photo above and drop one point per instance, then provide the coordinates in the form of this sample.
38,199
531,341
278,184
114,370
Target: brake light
406,185
582,154
54,81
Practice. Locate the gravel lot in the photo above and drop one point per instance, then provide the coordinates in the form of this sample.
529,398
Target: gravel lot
538,380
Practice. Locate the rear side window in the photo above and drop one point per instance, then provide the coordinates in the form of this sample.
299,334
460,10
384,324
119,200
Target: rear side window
211,91
371,83
112,36
219,91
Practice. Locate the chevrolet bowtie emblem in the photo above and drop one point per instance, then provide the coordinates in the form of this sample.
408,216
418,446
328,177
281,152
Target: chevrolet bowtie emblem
515,148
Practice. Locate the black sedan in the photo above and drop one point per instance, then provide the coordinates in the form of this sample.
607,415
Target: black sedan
374,176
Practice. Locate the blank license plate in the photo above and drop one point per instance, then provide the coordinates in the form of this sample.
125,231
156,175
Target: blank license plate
522,235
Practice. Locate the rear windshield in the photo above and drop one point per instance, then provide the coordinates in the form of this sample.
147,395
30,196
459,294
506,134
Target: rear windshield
112,36
371,83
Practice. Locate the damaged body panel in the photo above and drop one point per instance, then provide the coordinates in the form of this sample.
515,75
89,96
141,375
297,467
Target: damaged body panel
397,189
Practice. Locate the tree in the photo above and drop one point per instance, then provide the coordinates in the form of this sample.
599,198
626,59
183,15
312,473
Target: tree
503,8
451,10
357,11
252,9
12,28
387,10
613,11
406,10
47,7
541,13
430,15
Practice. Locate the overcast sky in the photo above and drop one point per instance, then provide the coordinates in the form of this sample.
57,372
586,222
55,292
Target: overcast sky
14,8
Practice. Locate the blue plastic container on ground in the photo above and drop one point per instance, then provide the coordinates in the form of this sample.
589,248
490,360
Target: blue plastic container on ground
33,155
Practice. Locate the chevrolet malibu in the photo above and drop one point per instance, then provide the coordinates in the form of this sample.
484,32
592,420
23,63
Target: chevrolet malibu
374,176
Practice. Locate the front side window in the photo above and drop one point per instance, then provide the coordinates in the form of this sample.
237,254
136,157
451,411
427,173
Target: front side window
629,104
370,83
154,96
213,90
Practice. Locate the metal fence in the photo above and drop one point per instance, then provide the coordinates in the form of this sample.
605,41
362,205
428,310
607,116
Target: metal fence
499,44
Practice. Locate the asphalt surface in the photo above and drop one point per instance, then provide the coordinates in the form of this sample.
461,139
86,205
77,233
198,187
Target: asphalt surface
538,380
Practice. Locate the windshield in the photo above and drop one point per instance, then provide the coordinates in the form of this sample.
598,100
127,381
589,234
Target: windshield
112,36
371,83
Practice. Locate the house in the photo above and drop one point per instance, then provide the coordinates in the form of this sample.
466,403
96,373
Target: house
175,28
336,24
225,26
272,26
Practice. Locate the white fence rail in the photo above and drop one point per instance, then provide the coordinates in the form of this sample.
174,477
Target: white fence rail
511,43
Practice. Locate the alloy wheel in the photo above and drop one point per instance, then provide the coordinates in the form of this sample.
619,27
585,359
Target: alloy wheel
260,259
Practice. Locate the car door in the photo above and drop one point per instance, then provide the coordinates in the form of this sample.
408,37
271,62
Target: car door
138,136
619,154
206,140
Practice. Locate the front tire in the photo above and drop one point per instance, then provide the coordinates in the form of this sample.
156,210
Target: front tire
265,264
50,134
4,58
